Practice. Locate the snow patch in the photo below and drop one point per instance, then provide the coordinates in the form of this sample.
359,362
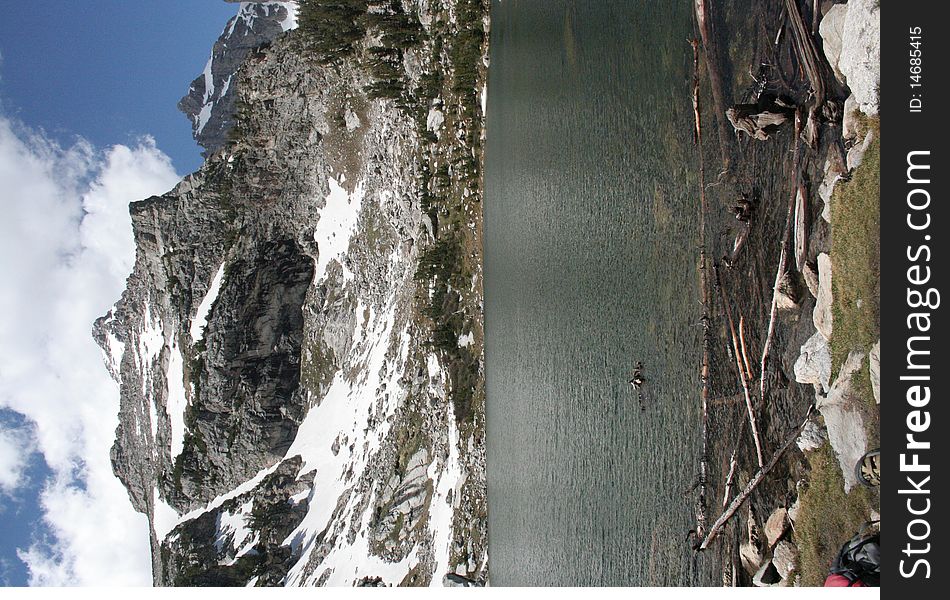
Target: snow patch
151,341
200,321
441,511
115,354
234,525
164,517
337,223
466,340
245,487
342,414
290,21
434,120
177,401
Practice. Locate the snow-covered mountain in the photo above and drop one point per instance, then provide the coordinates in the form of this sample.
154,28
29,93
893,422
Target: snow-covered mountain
286,418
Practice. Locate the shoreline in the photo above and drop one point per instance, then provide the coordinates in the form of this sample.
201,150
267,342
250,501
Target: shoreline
782,535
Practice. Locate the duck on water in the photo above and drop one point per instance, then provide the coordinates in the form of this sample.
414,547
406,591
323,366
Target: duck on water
637,382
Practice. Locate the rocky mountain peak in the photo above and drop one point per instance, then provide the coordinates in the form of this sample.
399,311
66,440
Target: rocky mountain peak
209,103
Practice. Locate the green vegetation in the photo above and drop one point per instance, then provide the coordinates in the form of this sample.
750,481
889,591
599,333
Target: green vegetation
828,516
856,255
332,27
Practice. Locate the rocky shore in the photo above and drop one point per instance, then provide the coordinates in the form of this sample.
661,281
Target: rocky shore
811,163
849,422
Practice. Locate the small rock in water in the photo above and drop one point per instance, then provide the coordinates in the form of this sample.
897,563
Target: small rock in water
786,295
776,526
810,273
750,557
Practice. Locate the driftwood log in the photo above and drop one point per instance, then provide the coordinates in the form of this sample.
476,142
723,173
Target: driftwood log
759,120
753,483
704,286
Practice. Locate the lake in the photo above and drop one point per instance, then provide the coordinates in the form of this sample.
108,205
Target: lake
591,235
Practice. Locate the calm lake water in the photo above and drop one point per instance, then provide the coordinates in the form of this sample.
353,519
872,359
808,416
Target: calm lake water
591,234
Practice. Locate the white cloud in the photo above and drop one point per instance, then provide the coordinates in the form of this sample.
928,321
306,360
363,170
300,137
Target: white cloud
65,251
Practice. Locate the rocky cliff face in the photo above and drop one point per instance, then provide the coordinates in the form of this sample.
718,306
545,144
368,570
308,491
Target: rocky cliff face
209,104
300,369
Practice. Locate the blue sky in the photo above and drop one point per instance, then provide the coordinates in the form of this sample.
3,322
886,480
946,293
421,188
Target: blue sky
108,70
81,83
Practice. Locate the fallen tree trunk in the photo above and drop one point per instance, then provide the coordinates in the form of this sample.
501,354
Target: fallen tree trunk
783,258
750,407
754,483
704,286
804,46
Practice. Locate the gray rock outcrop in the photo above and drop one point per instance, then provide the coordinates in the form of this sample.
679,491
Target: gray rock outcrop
851,39
822,315
844,419
814,363
284,417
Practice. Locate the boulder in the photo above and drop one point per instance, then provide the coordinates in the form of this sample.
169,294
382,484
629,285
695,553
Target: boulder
786,295
822,316
856,153
811,438
827,187
810,273
776,526
750,557
875,369
844,420
784,558
831,30
850,125
814,363
794,510
860,55
802,227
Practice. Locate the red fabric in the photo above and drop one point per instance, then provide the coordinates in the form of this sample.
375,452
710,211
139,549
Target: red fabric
841,581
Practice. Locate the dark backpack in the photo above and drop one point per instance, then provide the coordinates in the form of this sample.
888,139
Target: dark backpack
859,560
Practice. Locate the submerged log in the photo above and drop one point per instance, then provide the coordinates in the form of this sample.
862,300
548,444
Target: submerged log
801,227
807,52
